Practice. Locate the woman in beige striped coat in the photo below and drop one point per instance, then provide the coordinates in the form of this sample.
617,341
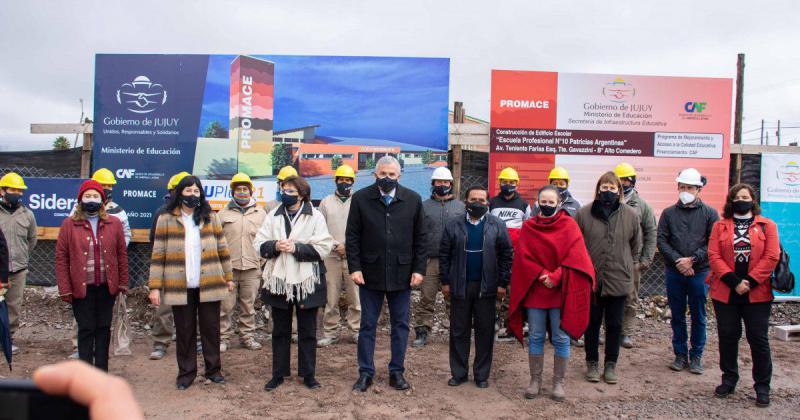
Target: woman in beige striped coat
191,271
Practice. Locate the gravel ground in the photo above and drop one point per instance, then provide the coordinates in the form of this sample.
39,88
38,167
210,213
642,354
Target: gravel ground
647,388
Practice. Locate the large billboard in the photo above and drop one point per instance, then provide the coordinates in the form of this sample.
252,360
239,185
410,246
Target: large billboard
216,115
589,123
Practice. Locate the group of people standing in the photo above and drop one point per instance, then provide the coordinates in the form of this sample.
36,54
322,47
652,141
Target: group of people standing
506,269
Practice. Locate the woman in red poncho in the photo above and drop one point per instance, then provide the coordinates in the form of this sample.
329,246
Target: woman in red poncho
552,278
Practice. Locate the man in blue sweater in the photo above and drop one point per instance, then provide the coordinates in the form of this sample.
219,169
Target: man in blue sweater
475,257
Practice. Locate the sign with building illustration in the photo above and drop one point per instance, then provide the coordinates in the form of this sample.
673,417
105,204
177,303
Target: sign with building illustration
216,115
589,123
780,201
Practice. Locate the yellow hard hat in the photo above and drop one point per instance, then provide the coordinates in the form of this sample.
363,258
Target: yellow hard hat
508,174
558,173
286,172
624,170
241,178
345,171
12,180
176,179
104,177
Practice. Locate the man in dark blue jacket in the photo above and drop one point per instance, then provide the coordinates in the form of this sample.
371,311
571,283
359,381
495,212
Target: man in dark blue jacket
475,257
385,247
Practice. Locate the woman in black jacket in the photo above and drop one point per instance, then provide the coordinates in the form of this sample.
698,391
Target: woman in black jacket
294,239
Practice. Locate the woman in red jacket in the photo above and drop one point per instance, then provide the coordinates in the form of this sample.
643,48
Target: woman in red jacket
552,279
743,251
91,268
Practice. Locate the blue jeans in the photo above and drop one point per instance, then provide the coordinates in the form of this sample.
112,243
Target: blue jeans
680,290
371,303
537,322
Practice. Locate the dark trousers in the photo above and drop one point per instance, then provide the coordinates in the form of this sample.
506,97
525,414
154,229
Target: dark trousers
729,329
186,323
612,308
691,291
478,312
93,314
282,341
371,303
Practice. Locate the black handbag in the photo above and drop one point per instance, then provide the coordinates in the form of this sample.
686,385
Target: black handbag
782,277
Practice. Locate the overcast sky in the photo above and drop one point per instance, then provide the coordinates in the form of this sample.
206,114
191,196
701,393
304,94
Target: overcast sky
48,47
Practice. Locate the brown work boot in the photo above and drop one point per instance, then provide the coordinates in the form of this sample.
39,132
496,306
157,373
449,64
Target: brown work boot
536,364
559,372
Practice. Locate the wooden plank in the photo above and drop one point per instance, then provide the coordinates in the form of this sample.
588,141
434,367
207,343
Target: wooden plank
757,149
787,332
61,128
51,234
86,155
468,140
468,129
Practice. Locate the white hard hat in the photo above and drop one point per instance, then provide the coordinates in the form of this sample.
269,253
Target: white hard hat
442,174
690,176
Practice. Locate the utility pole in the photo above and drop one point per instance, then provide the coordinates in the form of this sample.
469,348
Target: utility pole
762,131
458,118
778,133
737,124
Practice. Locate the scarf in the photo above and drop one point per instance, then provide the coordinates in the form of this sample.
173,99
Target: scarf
284,275
547,244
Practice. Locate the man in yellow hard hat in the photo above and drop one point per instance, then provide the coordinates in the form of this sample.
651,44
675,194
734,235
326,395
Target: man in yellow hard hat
510,207
19,227
241,218
559,178
163,327
106,178
647,218
336,208
284,173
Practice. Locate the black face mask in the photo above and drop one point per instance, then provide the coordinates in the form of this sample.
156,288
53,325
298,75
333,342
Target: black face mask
476,209
288,200
343,188
91,207
191,201
547,211
386,184
627,189
108,194
508,189
742,207
12,199
563,192
608,198
441,190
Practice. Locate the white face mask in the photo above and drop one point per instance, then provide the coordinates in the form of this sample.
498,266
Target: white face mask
686,197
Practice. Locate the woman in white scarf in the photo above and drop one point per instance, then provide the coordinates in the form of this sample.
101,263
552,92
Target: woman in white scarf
294,239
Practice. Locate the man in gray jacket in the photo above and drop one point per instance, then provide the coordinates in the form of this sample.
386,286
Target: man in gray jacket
19,227
647,220
441,207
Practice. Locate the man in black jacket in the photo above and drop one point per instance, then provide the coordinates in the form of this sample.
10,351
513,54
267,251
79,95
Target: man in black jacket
475,257
386,256
683,233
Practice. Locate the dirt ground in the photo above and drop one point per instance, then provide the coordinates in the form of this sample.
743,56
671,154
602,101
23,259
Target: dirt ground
647,388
